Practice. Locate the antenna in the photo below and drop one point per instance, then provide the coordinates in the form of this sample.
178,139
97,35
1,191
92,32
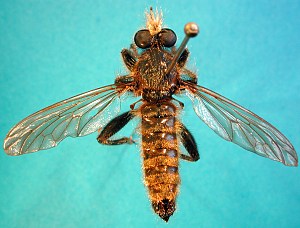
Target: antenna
191,30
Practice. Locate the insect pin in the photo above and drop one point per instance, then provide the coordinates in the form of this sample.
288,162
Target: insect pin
157,74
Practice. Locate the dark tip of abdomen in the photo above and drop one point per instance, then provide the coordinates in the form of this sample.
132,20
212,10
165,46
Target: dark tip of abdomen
164,208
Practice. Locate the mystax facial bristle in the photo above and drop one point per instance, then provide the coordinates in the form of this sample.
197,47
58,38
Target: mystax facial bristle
154,21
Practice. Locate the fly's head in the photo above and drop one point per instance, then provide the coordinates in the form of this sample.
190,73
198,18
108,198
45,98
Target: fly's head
164,38
154,35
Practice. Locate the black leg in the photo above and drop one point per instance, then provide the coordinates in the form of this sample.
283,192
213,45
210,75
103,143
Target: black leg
190,145
183,58
113,127
128,59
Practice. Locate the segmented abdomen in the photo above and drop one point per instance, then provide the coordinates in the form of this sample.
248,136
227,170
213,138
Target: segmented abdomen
160,152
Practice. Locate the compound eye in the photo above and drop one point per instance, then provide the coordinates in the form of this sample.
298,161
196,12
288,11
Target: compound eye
167,37
143,38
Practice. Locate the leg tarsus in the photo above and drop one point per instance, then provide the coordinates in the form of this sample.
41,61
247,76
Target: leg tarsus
115,141
187,158
133,104
131,141
179,102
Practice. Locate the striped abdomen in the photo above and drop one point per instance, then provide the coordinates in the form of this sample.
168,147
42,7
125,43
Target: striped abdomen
160,153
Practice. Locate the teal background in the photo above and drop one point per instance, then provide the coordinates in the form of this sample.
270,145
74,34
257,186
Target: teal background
248,51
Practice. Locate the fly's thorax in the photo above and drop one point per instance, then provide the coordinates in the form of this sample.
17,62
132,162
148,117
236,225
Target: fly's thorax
150,74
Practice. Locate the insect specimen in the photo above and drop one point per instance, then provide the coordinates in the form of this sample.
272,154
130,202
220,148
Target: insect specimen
157,73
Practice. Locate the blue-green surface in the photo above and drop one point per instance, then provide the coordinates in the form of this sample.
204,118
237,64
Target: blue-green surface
248,51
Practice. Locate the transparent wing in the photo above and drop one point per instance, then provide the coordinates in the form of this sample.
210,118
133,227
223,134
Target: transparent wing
242,127
77,116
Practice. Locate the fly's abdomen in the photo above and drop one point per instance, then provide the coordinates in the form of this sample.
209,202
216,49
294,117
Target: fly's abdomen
160,153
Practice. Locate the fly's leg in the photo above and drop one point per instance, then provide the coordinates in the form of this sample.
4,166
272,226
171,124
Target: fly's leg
179,102
113,127
134,50
126,79
128,58
191,76
173,50
133,105
183,58
190,145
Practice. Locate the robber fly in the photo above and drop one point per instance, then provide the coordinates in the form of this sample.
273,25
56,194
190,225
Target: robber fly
157,73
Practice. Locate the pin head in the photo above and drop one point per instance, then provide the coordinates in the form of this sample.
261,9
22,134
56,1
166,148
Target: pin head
191,29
